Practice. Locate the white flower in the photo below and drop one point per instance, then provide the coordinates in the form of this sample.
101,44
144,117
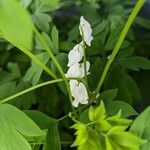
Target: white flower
74,71
79,93
85,31
75,55
77,70
82,72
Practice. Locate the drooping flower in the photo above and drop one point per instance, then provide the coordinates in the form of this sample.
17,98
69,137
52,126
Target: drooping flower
85,31
74,70
75,55
82,71
77,70
79,93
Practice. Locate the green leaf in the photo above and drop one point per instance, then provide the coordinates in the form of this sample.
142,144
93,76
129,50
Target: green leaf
52,138
17,32
114,107
127,87
117,120
141,127
41,119
52,41
40,16
34,73
109,95
10,138
119,139
20,121
136,63
7,89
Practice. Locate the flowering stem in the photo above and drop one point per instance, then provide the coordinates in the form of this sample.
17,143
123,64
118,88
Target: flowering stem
56,63
123,34
29,89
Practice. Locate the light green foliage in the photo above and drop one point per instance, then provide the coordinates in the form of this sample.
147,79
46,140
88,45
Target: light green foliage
111,129
17,32
86,138
119,139
98,115
19,121
10,136
142,129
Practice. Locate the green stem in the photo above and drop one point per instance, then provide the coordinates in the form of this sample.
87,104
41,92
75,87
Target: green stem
123,34
36,87
56,63
85,70
29,89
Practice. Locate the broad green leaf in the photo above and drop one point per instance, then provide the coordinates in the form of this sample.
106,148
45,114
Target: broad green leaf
52,138
20,121
141,127
114,107
34,73
127,87
109,95
17,32
136,63
10,138
41,119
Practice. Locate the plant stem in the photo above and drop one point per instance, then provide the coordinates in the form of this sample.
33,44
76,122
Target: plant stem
36,87
56,63
29,89
85,68
123,34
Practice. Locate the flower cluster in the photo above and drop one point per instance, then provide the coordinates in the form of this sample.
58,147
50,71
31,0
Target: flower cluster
76,66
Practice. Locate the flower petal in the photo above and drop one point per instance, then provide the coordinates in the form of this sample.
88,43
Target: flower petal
75,55
74,70
85,31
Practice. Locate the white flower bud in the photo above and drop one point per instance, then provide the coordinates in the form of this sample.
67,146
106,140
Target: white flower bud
85,31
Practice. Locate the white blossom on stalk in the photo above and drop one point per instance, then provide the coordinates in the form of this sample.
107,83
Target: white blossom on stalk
77,70
75,55
79,93
74,71
82,70
85,31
